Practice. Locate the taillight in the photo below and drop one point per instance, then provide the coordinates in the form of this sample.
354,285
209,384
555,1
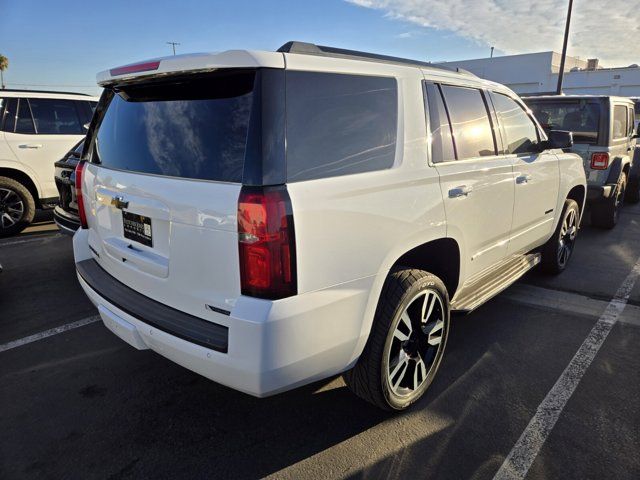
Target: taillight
600,161
266,242
79,200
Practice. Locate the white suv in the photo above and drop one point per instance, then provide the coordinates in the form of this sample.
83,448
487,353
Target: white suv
268,219
36,130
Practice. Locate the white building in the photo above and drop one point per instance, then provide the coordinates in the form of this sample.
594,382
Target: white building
538,73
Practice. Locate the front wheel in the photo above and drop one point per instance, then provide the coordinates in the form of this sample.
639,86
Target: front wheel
559,248
17,207
406,343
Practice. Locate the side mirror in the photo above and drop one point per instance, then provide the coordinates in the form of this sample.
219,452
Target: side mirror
558,139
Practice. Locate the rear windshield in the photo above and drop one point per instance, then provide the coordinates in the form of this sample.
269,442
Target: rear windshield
190,128
581,117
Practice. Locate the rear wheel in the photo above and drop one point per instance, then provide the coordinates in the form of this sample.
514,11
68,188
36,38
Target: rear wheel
559,248
407,341
606,214
633,191
17,207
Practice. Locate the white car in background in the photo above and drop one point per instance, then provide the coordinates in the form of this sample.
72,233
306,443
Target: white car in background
36,130
266,247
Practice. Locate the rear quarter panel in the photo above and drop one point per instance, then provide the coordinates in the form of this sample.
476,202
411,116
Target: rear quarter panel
356,226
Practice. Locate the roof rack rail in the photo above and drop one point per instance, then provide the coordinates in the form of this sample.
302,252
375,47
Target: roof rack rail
304,48
41,91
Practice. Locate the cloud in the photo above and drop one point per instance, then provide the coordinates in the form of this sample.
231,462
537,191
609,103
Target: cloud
607,30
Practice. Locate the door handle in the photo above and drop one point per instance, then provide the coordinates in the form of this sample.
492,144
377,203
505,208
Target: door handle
30,145
523,179
460,191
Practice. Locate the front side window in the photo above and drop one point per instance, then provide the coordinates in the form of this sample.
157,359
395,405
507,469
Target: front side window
339,124
472,131
521,132
24,123
55,117
442,149
619,122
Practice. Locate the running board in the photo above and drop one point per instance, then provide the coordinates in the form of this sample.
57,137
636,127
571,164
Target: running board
475,294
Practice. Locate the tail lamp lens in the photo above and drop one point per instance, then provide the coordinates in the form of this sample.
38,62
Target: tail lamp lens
600,161
80,201
266,243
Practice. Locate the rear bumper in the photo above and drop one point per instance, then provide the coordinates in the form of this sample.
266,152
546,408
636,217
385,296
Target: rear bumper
271,346
66,222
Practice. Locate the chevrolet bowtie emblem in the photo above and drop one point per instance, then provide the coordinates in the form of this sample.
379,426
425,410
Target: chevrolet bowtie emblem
119,202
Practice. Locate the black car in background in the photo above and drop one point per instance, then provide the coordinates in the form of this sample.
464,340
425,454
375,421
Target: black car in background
65,213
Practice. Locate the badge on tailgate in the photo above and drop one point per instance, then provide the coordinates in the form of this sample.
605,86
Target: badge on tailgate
137,227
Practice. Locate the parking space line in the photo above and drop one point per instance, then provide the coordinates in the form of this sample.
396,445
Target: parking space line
29,240
526,449
48,333
567,302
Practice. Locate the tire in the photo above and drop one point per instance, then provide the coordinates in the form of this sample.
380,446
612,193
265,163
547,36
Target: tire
559,248
605,214
401,359
633,192
17,207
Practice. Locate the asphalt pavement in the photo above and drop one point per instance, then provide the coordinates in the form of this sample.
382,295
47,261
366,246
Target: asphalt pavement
83,404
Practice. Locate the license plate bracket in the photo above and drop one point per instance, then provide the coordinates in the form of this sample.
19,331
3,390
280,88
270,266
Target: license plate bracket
137,227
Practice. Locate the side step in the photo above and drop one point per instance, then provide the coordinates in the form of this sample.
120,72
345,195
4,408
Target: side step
475,294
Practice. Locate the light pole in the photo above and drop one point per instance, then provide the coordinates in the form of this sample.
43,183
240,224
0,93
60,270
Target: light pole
173,44
564,49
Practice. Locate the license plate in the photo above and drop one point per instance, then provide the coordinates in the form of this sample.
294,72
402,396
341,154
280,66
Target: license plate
137,227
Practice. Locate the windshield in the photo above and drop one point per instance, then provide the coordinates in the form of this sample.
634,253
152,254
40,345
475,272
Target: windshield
580,117
194,128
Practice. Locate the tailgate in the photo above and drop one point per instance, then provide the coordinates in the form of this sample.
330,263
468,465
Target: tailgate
162,187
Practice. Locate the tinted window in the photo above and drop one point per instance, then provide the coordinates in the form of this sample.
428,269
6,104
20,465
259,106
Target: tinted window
339,124
441,139
521,132
55,117
10,110
580,117
24,124
619,121
192,129
470,121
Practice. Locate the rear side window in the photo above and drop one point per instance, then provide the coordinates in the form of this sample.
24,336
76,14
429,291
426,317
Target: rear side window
470,122
631,121
9,115
619,122
193,128
442,149
55,117
521,132
339,124
24,123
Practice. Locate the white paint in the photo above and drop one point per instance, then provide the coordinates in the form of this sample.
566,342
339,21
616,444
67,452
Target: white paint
526,449
567,302
48,333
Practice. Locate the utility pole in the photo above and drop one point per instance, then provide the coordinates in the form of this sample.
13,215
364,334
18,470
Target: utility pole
173,44
564,49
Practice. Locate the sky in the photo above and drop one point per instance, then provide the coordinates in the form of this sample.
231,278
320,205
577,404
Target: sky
62,44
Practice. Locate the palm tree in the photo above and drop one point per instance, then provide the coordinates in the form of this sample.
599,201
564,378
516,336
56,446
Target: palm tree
4,64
